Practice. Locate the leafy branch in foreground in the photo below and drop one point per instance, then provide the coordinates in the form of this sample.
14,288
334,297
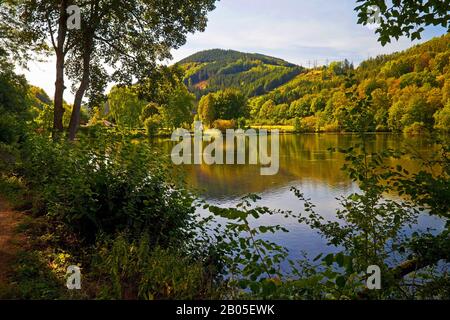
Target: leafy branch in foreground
251,261
403,17
371,228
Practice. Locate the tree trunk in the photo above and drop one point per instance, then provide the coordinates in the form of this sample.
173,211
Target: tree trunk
59,84
75,117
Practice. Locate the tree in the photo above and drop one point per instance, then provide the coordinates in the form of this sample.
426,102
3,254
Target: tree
297,125
337,108
230,104
266,109
16,43
126,107
13,103
133,34
442,118
179,107
403,17
301,107
152,125
318,103
206,109
380,104
412,106
35,24
149,110
127,36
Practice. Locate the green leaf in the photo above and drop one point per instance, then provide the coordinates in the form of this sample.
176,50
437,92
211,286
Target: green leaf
340,281
329,259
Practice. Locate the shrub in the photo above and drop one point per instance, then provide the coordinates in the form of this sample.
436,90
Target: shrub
242,123
416,128
135,270
331,127
223,125
152,125
297,125
112,186
309,124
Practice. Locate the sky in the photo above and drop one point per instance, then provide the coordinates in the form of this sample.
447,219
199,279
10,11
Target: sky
304,32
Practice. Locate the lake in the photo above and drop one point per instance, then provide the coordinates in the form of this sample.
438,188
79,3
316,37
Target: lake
306,163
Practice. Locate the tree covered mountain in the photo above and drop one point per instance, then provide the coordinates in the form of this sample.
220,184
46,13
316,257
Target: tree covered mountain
254,74
404,91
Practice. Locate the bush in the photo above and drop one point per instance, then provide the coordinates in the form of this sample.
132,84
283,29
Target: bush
242,123
297,125
223,125
309,124
152,125
135,270
417,128
331,127
109,187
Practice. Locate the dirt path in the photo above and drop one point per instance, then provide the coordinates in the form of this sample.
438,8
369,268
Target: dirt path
10,240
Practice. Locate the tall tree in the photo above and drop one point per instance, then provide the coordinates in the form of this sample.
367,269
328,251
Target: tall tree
127,36
130,37
39,25
179,107
206,109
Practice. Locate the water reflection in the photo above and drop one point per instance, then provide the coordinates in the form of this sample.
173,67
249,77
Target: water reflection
306,163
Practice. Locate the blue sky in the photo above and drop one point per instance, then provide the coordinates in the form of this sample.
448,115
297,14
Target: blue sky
295,30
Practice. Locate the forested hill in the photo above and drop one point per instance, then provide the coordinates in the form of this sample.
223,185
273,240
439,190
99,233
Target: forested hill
254,74
404,91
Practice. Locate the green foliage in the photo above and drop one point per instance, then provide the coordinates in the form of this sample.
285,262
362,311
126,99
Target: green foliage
34,280
339,68
125,107
224,125
152,125
43,116
169,100
108,186
155,27
398,90
13,104
369,230
206,109
178,110
411,107
229,104
151,109
255,74
250,261
403,18
242,123
297,125
417,128
137,270
442,118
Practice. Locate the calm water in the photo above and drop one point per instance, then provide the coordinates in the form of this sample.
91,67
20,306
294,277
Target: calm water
305,163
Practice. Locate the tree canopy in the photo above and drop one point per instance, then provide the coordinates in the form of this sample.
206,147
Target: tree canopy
128,37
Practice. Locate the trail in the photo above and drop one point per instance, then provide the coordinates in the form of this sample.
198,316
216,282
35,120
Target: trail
10,240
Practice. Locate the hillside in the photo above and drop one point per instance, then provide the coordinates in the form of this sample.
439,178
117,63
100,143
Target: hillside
404,91
254,74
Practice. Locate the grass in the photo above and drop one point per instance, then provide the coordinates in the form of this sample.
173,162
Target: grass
281,128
